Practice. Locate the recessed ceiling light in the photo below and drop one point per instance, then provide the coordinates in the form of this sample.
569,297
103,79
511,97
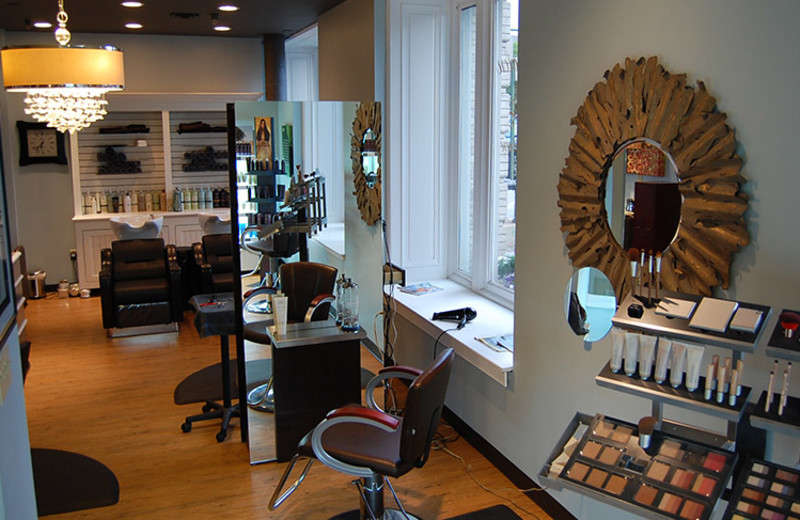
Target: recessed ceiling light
222,28
42,25
133,25
228,8
131,3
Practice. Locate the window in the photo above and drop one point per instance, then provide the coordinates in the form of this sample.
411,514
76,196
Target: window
486,144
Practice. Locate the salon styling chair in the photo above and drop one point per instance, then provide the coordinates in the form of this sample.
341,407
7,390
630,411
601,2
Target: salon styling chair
308,287
214,258
140,287
368,443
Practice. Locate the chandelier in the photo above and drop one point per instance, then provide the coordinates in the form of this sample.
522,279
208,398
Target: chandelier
66,85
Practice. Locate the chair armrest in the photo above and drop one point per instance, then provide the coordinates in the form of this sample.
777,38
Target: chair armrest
349,414
197,250
390,421
252,294
397,371
316,303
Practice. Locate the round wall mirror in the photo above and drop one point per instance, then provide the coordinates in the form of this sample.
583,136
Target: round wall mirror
640,100
589,304
642,197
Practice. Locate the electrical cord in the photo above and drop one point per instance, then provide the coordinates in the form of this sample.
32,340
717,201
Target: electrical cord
440,442
436,343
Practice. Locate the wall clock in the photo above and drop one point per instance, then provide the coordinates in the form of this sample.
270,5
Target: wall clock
39,143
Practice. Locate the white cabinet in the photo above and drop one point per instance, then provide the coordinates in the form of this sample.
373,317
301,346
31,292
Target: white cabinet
93,233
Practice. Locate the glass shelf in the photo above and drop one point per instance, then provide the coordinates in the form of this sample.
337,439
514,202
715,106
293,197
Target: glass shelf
678,328
665,394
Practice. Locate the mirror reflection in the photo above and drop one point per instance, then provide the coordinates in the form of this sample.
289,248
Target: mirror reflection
643,202
369,158
589,303
288,186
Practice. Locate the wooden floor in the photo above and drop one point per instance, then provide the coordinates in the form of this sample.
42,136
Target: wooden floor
111,399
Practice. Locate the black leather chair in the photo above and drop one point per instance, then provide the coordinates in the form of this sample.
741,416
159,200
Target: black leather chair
370,444
140,285
308,287
214,257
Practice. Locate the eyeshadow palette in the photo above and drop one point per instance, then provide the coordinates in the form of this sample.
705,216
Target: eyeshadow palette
673,478
765,491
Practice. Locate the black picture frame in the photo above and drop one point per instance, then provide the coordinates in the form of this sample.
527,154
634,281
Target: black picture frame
28,156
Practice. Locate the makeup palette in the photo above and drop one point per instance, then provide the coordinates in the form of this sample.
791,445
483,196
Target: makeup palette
765,491
673,478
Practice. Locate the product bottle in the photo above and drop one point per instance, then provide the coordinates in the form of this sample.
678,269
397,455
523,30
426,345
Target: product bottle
127,207
162,198
148,201
156,200
177,200
350,306
95,204
114,202
339,300
135,201
208,197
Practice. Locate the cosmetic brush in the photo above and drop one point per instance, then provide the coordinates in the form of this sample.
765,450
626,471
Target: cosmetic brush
768,401
784,389
658,272
633,256
641,272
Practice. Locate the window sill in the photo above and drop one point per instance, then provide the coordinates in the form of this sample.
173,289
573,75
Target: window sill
332,238
492,320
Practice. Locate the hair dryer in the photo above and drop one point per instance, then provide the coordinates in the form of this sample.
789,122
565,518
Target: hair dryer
462,316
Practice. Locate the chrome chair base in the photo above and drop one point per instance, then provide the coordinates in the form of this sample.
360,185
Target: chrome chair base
261,398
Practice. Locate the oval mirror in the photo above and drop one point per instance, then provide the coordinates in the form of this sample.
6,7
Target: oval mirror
589,303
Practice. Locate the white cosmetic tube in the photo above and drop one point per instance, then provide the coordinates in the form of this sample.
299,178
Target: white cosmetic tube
709,381
617,344
631,352
662,359
694,360
721,375
280,305
647,354
678,364
768,401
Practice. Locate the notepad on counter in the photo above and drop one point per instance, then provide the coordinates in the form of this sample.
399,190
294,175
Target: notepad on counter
675,308
713,314
746,320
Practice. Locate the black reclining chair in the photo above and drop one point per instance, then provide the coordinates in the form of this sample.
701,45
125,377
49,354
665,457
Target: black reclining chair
140,287
214,257
371,444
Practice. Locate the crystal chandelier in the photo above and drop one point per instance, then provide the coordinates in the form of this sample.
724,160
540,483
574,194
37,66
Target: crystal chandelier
66,85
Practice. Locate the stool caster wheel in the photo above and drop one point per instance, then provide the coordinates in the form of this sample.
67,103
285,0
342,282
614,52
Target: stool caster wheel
221,436
206,408
186,427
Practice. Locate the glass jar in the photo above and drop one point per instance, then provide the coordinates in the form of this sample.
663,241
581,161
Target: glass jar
337,293
350,305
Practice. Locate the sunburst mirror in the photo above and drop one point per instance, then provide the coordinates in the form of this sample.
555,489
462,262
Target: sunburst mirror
641,101
365,152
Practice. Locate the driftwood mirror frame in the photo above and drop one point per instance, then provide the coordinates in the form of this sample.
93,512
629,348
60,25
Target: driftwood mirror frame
368,116
643,100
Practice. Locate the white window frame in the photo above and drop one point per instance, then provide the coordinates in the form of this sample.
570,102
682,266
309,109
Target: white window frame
484,197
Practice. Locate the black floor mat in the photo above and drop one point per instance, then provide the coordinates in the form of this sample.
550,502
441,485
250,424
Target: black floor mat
66,481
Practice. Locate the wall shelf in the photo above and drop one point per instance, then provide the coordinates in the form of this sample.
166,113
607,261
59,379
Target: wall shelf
678,328
787,424
666,394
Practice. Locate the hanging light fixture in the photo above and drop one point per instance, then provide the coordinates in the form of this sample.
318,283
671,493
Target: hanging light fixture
66,85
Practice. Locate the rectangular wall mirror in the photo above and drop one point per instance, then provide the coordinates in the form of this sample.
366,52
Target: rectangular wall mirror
273,140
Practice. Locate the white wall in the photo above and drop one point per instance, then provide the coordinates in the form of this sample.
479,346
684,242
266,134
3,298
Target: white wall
40,196
745,53
17,498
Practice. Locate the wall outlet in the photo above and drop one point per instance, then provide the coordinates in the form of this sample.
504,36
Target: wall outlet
5,374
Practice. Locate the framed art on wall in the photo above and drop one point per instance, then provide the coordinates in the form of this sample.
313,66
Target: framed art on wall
39,143
263,129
